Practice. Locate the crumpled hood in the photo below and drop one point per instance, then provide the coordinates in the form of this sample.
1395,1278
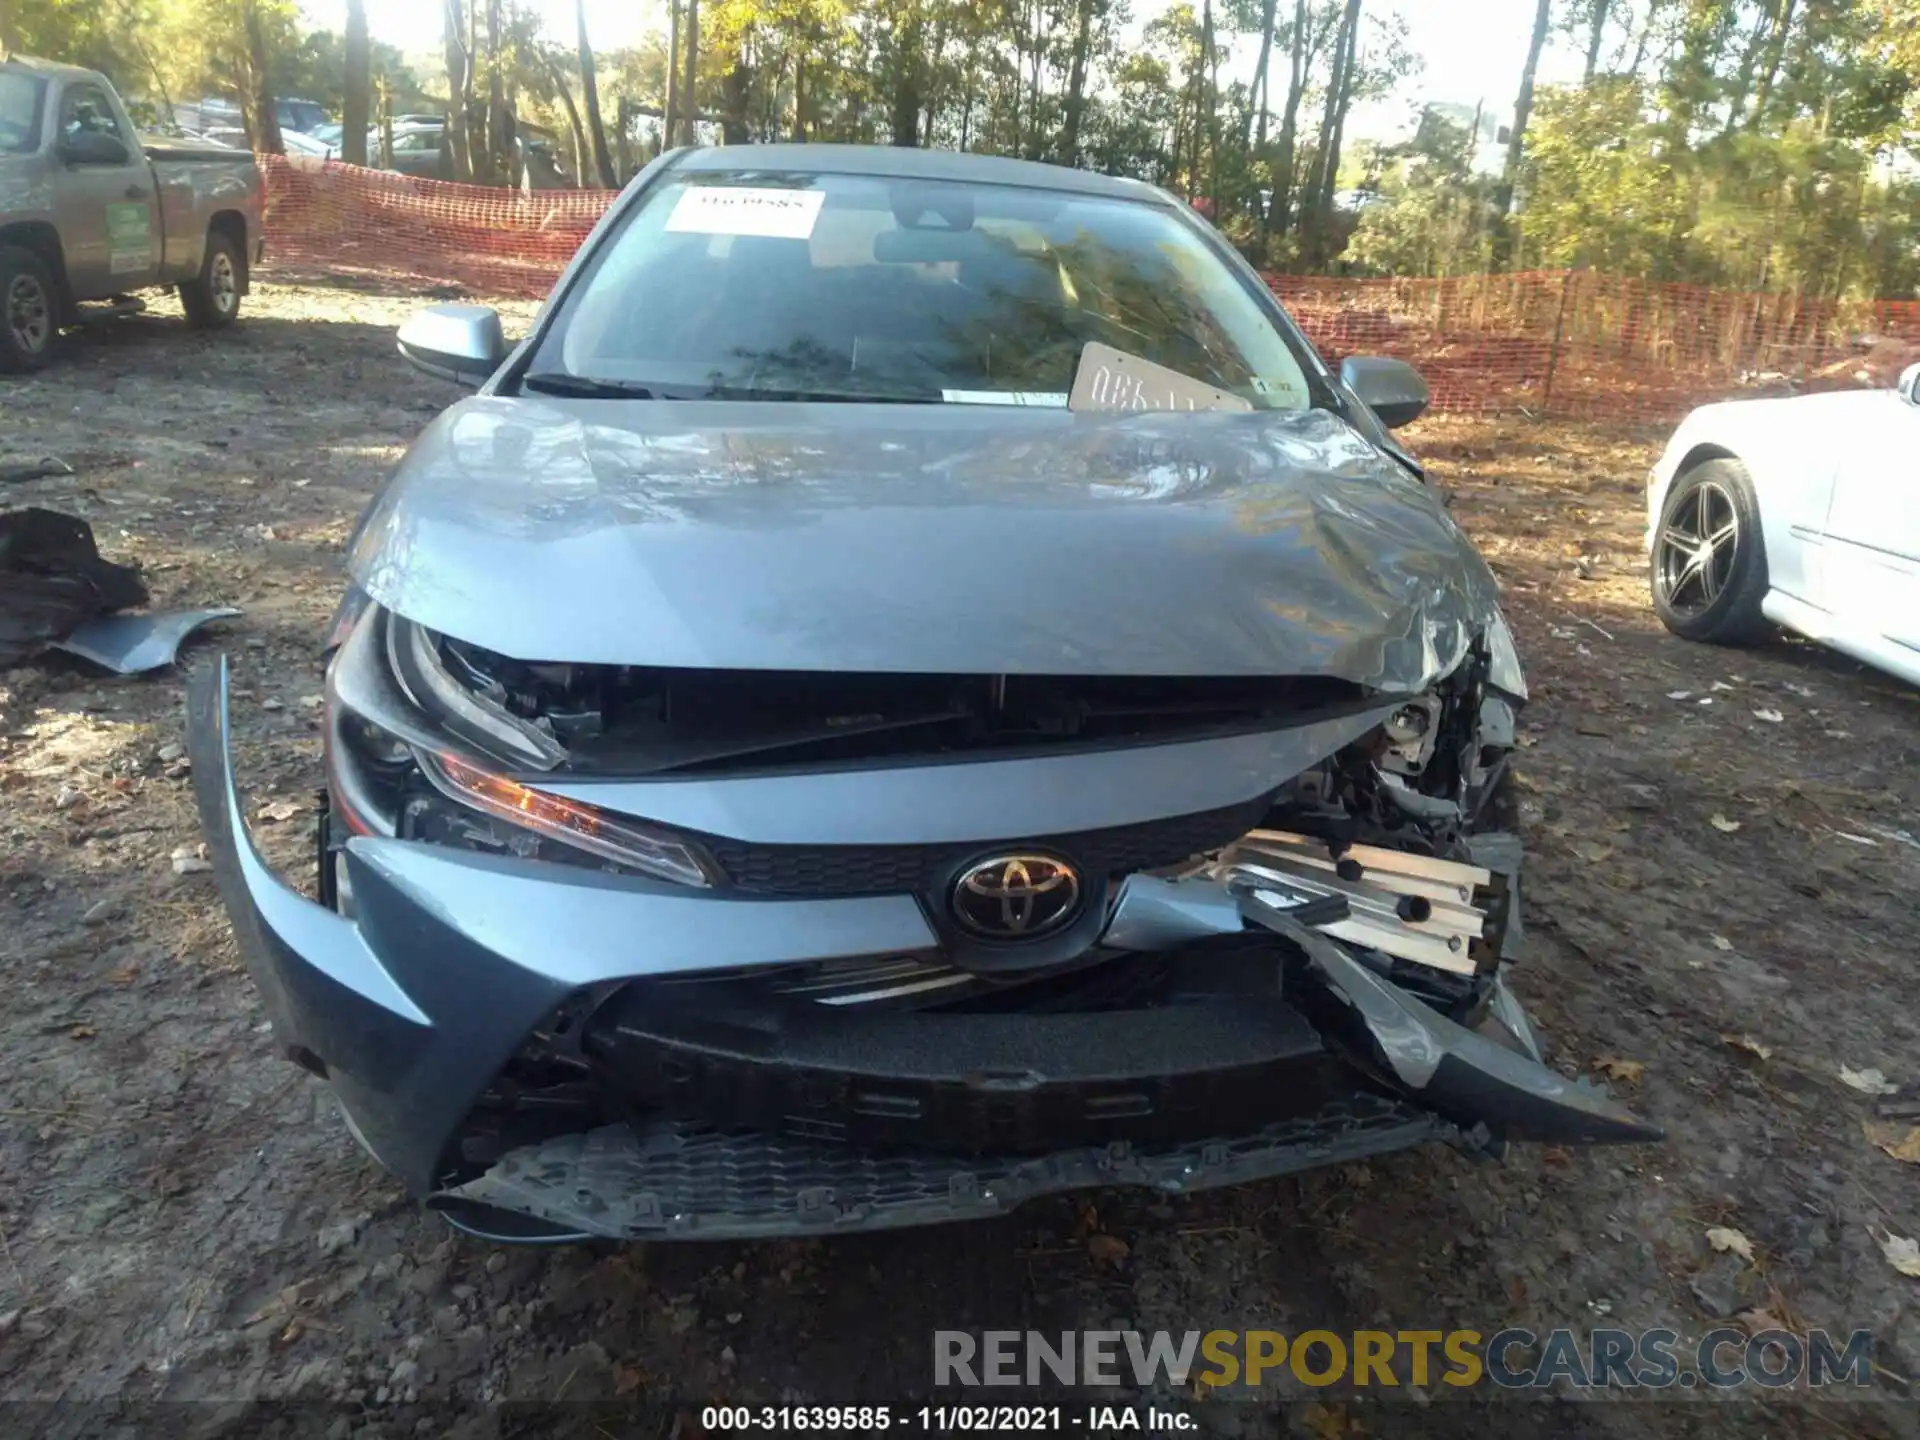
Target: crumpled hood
907,538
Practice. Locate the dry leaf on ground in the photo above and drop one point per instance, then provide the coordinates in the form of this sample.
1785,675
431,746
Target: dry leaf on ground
1867,1082
1730,1242
1724,825
1750,1045
1902,1142
1107,1249
1628,1072
1902,1253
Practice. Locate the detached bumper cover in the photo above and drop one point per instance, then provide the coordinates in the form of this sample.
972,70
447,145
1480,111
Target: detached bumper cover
411,1009
683,1180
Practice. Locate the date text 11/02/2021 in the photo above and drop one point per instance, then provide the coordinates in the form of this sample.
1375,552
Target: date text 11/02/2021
944,1419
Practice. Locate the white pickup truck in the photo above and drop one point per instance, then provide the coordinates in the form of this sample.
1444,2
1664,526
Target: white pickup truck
90,212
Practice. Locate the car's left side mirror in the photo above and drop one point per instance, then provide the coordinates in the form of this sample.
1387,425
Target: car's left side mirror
461,343
1392,389
1910,384
93,147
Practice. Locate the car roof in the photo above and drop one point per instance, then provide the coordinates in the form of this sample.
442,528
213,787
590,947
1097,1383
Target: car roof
902,163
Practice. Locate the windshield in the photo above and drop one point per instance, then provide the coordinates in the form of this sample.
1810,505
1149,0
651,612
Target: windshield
20,101
847,287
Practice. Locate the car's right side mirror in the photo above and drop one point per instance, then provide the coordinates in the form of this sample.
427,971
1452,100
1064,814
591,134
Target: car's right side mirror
1392,389
1910,384
461,343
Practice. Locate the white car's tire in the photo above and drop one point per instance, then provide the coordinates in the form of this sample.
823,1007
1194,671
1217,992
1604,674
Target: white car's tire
1709,563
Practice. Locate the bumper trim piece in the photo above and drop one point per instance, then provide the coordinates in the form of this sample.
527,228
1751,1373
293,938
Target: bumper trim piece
685,1181
1460,1072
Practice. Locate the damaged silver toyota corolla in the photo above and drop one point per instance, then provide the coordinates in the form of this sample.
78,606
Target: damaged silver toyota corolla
912,688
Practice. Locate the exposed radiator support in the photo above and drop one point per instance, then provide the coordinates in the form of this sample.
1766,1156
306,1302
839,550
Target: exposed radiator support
1409,906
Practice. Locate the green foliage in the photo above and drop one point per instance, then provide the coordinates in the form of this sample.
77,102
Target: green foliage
1762,143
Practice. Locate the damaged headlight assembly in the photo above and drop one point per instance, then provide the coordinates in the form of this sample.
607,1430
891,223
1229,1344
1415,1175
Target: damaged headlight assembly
398,707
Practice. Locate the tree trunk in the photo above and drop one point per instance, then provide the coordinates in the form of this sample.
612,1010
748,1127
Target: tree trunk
1776,49
1077,83
1259,88
355,101
1516,144
262,115
669,119
1347,67
1596,37
1320,182
590,97
1210,67
582,153
499,151
800,97
736,91
689,86
1280,212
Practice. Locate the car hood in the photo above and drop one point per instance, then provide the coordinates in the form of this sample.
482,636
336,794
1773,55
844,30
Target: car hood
932,539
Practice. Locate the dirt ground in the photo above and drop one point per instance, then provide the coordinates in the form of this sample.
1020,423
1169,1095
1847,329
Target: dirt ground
1725,855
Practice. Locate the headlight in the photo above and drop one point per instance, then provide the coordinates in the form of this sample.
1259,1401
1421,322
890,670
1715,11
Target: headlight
1503,661
414,654
622,841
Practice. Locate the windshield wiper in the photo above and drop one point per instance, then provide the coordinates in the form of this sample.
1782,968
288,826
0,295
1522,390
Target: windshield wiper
558,382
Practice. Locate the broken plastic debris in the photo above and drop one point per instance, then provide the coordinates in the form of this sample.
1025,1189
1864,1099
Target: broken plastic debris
1772,717
1723,825
131,644
1679,695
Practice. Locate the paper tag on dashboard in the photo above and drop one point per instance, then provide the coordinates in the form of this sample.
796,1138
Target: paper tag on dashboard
746,210
1112,380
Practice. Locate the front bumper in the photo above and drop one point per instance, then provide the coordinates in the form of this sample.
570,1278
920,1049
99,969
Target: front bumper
412,1009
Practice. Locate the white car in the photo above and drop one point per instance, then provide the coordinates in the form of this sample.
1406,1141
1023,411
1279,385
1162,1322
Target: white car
1801,512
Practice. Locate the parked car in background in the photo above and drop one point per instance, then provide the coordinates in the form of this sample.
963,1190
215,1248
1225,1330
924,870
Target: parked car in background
420,150
89,213
211,113
1801,512
294,142
808,749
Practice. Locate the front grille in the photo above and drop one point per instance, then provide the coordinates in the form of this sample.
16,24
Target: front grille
896,869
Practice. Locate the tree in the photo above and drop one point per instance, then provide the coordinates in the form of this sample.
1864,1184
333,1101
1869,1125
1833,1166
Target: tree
1517,139
457,45
354,111
590,96
687,87
258,111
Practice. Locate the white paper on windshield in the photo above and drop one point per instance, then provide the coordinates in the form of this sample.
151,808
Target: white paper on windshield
1045,399
1112,380
747,210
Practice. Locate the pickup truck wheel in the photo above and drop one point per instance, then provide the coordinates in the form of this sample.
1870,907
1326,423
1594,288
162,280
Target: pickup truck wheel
212,299
29,311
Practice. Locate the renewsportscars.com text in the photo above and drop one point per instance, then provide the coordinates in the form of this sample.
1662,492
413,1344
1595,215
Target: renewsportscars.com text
1511,1359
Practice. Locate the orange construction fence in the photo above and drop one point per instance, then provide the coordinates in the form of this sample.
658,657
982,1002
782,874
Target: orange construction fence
1567,343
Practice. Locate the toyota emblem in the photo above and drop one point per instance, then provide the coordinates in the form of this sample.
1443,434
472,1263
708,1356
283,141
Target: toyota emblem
1016,897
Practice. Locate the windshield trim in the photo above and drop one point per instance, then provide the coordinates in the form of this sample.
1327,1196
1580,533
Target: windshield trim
1323,392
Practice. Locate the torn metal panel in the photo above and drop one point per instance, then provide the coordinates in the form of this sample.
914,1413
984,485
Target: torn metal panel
930,539
130,644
